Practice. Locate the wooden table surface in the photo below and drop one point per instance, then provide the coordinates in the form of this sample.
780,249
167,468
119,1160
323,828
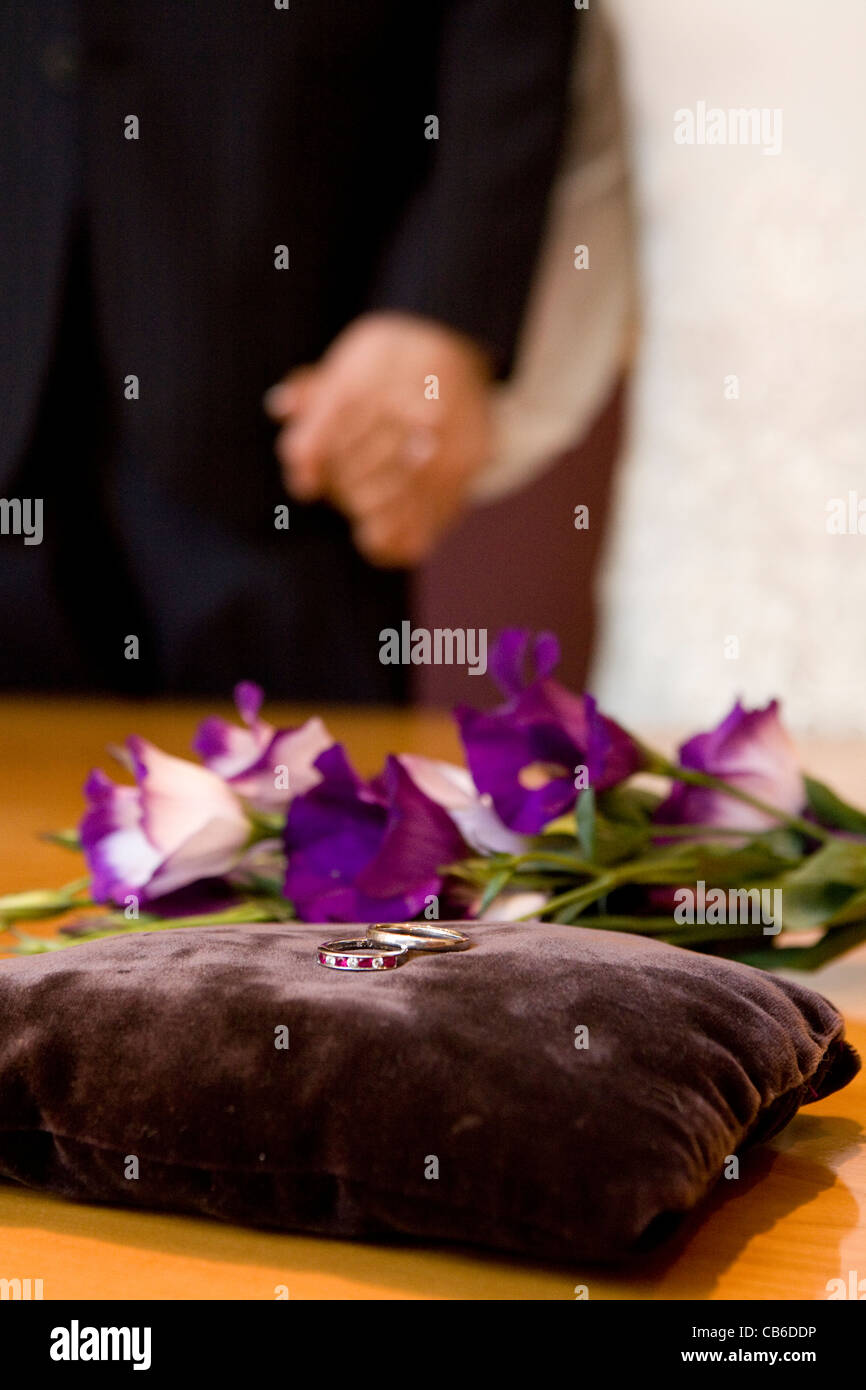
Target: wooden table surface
796,1220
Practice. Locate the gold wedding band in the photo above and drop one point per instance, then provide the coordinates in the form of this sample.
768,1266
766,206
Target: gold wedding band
418,936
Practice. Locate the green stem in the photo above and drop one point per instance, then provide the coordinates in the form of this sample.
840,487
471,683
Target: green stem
49,902
565,861
685,831
251,910
267,910
693,778
586,894
639,926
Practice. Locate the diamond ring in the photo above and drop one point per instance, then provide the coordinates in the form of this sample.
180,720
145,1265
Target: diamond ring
359,955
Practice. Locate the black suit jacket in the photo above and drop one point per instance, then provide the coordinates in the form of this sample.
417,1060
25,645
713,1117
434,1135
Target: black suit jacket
259,128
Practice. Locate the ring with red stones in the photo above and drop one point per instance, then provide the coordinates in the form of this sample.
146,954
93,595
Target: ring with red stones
359,955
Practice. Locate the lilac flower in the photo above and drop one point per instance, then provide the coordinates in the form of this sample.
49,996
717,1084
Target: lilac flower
524,754
264,765
751,750
365,851
452,788
178,825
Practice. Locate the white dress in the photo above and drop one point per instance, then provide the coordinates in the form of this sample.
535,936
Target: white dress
748,413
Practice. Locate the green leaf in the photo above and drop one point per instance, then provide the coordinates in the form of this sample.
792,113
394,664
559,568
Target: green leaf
831,810
832,944
568,915
809,905
854,910
611,839
665,865
840,861
707,932
822,888
638,926
548,843
618,841
67,839
246,911
27,945
628,804
578,898
267,825
259,884
736,866
494,888
551,857
41,902
563,826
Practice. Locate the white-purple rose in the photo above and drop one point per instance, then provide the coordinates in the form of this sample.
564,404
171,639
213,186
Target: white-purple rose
268,767
178,825
751,750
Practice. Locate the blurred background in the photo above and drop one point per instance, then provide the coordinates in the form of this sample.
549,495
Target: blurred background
633,239
727,572
712,572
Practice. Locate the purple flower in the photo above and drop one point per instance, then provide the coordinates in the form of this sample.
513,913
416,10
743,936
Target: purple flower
524,754
751,750
264,765
452,788
365,851
178,825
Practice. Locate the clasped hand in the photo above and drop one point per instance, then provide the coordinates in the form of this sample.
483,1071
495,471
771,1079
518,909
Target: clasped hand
390,427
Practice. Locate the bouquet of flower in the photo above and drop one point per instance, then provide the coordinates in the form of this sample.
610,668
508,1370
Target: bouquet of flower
560,815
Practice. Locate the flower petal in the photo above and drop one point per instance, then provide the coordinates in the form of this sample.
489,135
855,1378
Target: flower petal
285,768
508,658
228,749
750,749
474,815
178,798
180,824
365,852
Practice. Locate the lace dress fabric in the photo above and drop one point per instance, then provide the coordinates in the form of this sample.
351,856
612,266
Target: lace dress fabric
748,411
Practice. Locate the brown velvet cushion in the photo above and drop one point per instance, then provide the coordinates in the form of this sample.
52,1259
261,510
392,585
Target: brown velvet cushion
162,1047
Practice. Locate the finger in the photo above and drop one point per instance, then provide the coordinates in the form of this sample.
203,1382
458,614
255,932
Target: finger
394,536
291,395
375,452
390,444
357,418
421,504
331,422
304,476
303,447
391,548
387,489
